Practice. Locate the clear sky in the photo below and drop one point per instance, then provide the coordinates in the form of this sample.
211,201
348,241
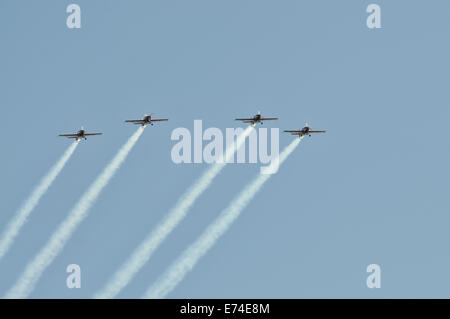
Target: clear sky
373,189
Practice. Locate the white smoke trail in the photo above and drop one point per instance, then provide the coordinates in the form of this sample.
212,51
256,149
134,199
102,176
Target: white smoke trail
19,219
189,258
146,248
33,271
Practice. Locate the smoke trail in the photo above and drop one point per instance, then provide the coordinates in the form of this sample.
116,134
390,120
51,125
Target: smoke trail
144,251
19,219
189,258
33,271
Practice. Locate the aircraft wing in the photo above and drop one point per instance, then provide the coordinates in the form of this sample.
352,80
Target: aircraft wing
317,131
135,121
88,134
69,135
245,120
292,131
269,118
157,120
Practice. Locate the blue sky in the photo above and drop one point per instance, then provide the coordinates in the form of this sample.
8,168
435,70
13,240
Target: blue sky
373,189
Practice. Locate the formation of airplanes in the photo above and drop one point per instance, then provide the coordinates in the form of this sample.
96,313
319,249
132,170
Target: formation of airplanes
147,119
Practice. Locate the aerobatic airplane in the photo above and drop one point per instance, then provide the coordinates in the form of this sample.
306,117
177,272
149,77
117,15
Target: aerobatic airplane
80,134
146,120
304,131
256,119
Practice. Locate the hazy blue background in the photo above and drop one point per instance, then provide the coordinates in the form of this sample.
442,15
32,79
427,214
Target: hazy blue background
373,189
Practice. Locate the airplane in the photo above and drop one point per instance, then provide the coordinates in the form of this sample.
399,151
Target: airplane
256,119
80,134
304,131
146,120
